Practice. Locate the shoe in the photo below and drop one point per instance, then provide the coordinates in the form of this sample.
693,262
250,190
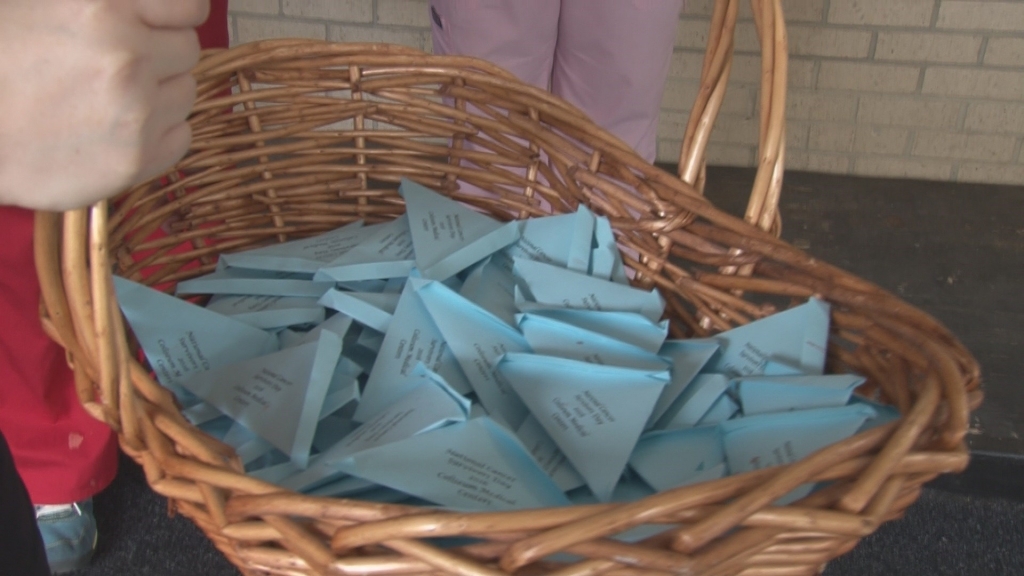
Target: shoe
69,533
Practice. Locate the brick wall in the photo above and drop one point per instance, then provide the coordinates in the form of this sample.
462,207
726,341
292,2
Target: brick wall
929,89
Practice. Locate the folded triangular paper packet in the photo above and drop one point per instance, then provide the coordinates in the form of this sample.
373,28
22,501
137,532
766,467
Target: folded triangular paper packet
694,402
551,285
763,394
430,403
670,458
477,339
384,252
306,255
181,339
562,240
372,309
412,337
594,413
797,337
447,236
278,396
269,312
253,283
687,357
550,337
474,465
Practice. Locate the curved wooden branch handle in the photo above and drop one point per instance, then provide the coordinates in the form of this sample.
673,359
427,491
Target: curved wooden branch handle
762,209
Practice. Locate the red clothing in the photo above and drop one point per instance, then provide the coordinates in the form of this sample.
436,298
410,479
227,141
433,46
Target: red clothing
62,453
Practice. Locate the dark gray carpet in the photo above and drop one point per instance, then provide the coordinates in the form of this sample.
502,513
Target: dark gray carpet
943,533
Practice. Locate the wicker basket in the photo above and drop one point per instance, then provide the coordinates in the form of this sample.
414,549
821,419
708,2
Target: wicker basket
293,138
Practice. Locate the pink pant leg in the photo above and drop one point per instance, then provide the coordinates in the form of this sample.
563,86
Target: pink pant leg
518,35
612,61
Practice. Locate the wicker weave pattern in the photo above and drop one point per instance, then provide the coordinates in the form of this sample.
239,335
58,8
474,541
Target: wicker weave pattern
293,138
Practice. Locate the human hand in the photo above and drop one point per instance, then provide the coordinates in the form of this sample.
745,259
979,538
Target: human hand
94,95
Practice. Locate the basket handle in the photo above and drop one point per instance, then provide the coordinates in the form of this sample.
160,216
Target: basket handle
762,208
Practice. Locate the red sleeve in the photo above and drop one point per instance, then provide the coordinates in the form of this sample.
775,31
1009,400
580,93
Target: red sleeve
214,33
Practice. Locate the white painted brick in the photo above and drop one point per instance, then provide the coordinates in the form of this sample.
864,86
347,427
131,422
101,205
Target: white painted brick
746,39
793,10
692,33
908,111
1005,117
255,6
880,140
839,75
831,42
735,130
801,73
716,154
404,13
698,7
980,15
796,135
991,173
802,10
406,37
746,68
882,12
1005,52
333,10
681,94
902,167
974,83
817,162
810,105
831,137
986,147
927,47
668,150
685,64
253,29
719,154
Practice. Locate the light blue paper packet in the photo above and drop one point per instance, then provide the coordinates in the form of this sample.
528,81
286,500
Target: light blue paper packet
594,413
629,327
253,283
181,339
306,255
269,312
561,240
412,337
473,465
430,403
549,337
797,337
766,440
447,236
477,339
688,357
671,458
278,396
725,408
605,259
547,453
385,251
551,285
694,402
372,309
764,394
339,324
490,285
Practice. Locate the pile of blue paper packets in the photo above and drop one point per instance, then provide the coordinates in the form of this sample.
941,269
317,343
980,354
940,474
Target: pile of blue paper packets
447,358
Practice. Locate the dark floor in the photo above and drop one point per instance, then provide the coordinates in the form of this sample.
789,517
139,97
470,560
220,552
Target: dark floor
953,250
